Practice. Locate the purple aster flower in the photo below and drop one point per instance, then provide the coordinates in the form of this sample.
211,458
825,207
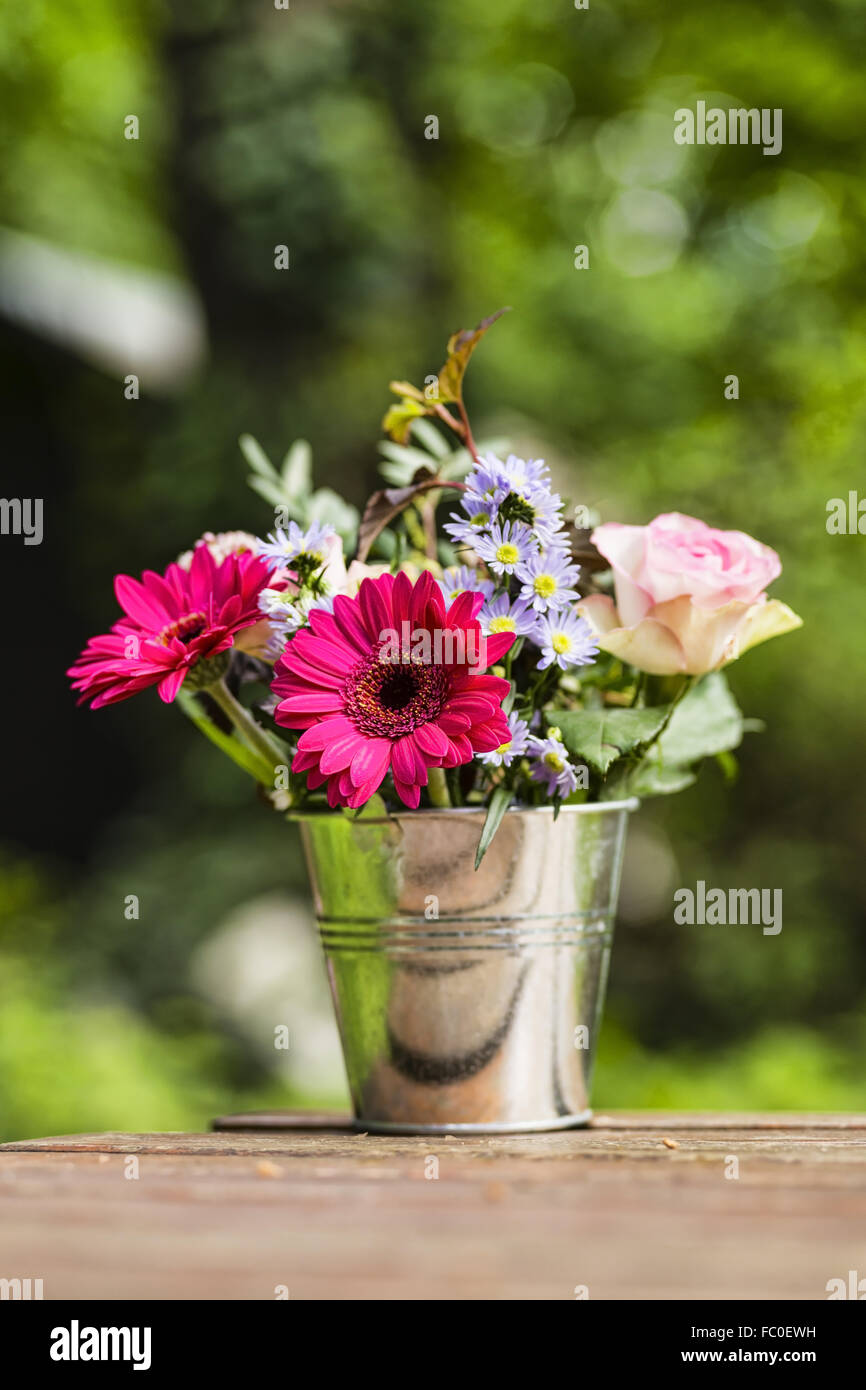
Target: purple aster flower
501,614
560,540
547,580
295,543
522,473
550,765
457,581
480,515
534,504
504,755
564,639
488,481
506,547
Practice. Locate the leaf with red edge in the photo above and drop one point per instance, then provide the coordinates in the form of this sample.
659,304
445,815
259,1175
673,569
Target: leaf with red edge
460,348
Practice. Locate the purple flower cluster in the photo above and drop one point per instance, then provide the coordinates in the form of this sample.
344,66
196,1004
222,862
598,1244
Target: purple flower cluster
513,521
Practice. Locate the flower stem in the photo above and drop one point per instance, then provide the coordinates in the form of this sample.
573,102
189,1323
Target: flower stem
249,730
468,439
438,787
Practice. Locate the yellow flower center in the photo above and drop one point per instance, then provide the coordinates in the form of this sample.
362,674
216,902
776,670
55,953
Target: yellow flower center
504,747
507,554
560,642
480,519
503,624
544,585
553,761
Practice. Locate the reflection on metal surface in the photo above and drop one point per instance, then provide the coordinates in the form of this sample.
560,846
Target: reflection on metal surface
468,1001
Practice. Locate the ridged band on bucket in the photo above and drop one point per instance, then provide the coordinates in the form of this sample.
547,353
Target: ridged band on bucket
468,1001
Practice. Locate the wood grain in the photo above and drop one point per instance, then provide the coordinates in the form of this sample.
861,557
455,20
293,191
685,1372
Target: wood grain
332,1214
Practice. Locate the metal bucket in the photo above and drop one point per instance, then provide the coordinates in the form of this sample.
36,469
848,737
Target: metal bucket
468,1002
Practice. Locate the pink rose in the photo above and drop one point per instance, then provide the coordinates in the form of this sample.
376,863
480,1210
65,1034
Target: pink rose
689,598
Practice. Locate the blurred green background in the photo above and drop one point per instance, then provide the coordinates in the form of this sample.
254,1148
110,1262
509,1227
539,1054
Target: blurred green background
260,127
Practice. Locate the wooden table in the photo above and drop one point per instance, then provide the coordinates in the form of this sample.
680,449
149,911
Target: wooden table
649,1206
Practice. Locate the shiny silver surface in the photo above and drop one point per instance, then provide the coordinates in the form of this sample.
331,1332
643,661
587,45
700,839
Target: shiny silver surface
468,1002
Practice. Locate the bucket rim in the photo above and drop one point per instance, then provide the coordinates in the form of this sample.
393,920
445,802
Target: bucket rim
629,804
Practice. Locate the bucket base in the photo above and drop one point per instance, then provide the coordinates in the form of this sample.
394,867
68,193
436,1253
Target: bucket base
526,1127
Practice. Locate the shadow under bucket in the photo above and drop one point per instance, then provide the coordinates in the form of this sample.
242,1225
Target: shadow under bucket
468,1002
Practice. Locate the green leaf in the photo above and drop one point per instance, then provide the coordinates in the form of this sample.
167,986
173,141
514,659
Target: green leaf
399,417
271,491
328,506
256,457
414,404
431,438
600,736
460,348
298,469
705,722
648,779
499,804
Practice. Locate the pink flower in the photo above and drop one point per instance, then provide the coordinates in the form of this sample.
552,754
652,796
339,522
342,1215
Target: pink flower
365,714
689,598
171,623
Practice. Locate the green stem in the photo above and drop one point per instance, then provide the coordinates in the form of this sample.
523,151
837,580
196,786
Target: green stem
233,748
437,786
250,731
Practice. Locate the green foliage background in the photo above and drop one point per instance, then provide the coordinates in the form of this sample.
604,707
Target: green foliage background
306,127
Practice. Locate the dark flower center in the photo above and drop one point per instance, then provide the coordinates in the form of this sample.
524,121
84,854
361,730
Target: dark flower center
514,508
185,629
387,699
399,687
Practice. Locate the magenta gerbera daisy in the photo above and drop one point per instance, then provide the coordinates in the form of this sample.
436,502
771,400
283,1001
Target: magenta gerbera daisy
365,714
171,623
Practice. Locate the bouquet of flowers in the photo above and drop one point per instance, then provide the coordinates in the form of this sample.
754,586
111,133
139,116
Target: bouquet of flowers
485,647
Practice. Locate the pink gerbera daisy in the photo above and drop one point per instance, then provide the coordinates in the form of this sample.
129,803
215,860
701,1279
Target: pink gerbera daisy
172,622
365,714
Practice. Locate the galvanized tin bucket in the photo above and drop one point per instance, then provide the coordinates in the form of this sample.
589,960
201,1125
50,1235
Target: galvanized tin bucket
468,1002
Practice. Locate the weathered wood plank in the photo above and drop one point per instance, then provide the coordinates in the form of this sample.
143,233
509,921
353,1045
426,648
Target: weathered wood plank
337,1121
336,1215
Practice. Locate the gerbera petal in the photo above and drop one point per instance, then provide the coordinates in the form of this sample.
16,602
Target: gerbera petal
476,707
431,739
292,661
495,646
451,722
314,702
486,738
376,611
171,684
408,792
339,753
324,733
318,652
162,592
401,597
464,608
141,605
371,761
403,758
348,620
